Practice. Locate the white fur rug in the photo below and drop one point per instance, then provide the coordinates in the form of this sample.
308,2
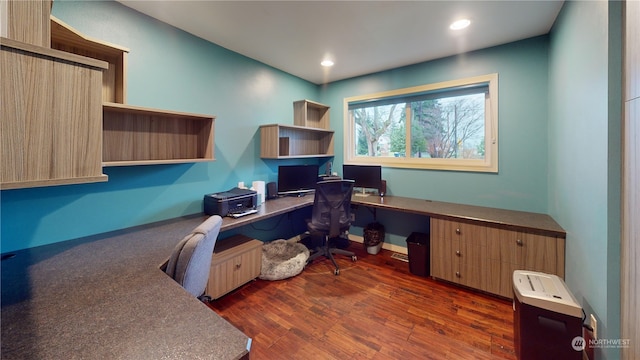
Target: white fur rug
282,259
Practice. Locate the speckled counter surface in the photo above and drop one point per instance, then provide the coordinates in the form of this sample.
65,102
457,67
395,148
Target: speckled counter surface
104,297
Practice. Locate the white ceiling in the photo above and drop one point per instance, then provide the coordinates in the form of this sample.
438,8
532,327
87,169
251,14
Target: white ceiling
362,37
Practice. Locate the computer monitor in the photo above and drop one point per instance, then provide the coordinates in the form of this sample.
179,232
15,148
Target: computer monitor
364,176
297,179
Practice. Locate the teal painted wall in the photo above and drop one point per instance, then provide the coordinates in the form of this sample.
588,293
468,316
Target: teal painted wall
167,69
520,184
170,69
584,155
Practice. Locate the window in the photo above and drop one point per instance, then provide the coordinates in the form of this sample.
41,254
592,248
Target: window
446,126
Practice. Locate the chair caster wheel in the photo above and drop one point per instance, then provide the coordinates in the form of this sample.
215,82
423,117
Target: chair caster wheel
354,258
336,272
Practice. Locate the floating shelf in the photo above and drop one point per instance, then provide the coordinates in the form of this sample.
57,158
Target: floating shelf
279,141
142,136
308,113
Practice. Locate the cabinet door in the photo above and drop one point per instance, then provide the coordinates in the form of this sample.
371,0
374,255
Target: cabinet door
51,111
536,253
236,261
247,266
443,243
471,255
221,278
508,251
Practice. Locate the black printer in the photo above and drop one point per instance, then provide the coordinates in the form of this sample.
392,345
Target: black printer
230,202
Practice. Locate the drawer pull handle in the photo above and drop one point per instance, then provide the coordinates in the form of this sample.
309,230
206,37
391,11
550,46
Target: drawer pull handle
458,253
519,242
457,273
458,231
238,266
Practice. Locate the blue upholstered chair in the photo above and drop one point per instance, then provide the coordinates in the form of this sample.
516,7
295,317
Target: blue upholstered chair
190,262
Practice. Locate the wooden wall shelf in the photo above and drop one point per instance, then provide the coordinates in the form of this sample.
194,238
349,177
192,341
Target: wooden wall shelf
135,135
279,141
309,113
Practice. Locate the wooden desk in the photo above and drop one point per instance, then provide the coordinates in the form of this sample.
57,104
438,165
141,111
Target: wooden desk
269,208
104,296
529,222
480,247
473,246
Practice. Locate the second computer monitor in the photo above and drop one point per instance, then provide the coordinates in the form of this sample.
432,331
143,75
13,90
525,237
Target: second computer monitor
297,179
364,176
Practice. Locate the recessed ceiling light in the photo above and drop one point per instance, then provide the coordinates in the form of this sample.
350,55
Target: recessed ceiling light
459,24
326,63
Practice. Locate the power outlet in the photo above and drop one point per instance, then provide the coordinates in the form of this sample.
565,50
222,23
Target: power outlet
594,326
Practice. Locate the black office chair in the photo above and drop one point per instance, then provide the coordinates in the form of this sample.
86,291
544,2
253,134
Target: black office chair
331,218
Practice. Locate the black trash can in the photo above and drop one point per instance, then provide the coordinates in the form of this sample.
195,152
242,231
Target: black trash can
418,251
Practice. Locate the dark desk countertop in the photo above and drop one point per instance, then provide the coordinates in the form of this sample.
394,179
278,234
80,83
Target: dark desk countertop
507,219
105,297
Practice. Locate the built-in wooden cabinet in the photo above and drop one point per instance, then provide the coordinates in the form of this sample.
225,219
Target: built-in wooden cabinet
26,21
66,38
135,135
484,257
51,111
508,251
457,252
236,261
54,83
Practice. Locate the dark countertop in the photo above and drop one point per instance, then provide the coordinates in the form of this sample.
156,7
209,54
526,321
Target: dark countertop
104,296
535,223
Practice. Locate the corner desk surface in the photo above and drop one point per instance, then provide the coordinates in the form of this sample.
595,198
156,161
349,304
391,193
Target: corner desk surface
104,296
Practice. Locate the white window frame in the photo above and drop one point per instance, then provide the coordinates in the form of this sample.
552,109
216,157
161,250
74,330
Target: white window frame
488,164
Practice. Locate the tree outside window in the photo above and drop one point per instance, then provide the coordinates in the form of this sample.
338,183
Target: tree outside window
442,126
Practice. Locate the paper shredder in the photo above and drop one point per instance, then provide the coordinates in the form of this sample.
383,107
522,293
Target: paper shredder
547,317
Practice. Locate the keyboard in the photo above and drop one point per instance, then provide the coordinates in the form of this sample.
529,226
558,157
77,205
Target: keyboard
242,213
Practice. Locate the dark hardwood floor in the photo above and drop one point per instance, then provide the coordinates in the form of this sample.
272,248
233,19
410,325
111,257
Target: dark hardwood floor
375,309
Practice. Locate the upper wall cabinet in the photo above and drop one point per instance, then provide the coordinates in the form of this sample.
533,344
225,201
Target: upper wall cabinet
51,111
136,135
66,38
308,137
26,21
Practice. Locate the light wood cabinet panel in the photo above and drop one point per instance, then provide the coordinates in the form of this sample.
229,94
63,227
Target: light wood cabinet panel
135,135
66,38
508,251
286,141
443,265
26,21
458,252
236,261
51,112
484,258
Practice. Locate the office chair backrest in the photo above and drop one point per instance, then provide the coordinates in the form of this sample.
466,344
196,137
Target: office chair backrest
332,206
191,259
